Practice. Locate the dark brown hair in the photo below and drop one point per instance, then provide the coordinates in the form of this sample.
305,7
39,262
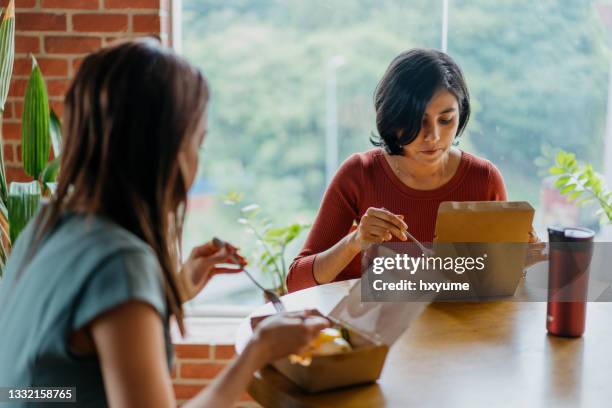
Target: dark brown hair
405,90
128,113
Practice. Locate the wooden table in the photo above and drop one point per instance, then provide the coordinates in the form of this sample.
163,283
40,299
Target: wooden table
464,355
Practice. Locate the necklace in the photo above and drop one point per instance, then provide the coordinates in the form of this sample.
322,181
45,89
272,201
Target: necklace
403,176
397,169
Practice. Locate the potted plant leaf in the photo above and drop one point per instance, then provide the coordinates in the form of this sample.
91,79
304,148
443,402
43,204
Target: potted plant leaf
39,129
272,241
581,184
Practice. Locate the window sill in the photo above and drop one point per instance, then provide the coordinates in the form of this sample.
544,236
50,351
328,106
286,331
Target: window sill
207,330
218,311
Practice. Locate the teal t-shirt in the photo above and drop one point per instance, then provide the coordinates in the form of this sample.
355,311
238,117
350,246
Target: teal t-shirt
84,267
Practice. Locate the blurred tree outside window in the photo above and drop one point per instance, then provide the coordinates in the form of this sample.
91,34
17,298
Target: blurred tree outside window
286,75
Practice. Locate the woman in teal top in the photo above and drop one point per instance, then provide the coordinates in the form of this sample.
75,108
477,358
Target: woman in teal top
94,279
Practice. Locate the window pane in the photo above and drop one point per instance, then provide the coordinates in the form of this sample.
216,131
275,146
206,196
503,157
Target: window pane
538,74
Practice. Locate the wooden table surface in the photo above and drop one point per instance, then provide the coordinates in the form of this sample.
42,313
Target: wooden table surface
464,355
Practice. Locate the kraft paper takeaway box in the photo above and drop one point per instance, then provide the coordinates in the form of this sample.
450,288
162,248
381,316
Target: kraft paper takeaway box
499,230
484,221
372,327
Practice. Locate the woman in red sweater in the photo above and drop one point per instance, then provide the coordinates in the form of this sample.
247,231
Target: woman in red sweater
422,104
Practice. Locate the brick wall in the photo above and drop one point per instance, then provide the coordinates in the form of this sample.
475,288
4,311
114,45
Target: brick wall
59,33
196,365
199,356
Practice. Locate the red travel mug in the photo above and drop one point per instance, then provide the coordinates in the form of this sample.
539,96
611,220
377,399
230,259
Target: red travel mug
570,251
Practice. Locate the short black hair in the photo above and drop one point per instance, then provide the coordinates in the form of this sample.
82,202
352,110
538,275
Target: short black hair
403,93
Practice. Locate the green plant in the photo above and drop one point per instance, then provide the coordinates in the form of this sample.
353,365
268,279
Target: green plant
581,184
40,129
7,54
272,240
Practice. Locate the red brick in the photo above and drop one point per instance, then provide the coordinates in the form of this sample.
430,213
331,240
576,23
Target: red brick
48,66
11,131
203,371
100,22
143,4
27,44
57,87
76,63
9,152
71,44
186,391
147,23
9,110
18,109
224,352
113,40
58,108
40,22
22,66
18,86
25,3
16,174
71,4
191,350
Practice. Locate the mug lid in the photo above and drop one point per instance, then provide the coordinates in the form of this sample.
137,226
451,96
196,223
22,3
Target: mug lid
565,234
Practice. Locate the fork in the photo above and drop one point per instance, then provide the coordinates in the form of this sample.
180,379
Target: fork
426,251
276,301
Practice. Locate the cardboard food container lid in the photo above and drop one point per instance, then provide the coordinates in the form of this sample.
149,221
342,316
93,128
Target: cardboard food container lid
379,322
483,221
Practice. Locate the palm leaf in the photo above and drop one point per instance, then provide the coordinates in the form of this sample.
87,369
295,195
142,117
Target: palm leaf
49,174
35,140
7,51
55,131
23,203
7,54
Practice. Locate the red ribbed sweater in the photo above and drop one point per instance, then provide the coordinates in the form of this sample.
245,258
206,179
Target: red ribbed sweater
366,180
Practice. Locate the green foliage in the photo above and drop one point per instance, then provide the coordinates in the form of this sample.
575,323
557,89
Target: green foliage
49,174
581,184
35,139
272,240
55,131
23,203
7,54
537,74
40,127
7,51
